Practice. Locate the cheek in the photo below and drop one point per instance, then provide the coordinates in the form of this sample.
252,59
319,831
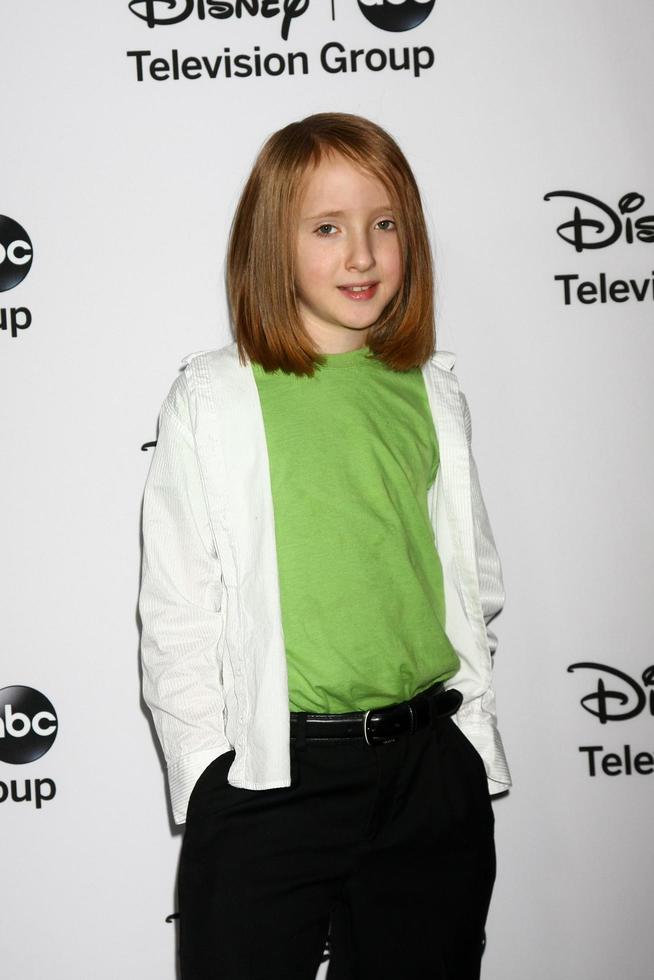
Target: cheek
393,263
312,268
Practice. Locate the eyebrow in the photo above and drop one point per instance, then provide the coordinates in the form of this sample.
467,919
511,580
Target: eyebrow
339,214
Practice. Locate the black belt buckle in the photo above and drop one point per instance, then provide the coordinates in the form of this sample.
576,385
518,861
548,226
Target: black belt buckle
372,739
365,726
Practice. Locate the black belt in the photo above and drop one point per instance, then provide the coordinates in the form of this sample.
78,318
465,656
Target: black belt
382,724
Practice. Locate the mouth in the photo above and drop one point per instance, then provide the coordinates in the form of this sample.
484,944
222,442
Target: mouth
359,292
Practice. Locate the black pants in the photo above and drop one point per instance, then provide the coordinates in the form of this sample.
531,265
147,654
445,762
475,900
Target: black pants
391,843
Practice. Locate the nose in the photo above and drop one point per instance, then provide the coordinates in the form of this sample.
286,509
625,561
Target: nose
360,255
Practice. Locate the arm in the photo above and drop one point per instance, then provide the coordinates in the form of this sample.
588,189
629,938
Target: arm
489,569
478,717
180,606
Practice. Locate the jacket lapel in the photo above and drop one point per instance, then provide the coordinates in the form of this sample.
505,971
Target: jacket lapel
232,441
249,493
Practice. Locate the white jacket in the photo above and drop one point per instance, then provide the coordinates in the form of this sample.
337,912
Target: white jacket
213,655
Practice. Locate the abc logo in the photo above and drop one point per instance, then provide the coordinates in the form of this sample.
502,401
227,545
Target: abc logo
396,15
28,724
15,253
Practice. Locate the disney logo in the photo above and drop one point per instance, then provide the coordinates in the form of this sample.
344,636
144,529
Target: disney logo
626,699
157,12
604,226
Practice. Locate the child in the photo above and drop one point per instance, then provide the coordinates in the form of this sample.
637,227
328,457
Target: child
318,577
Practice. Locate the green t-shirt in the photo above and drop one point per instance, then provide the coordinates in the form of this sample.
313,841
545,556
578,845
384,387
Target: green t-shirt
352,454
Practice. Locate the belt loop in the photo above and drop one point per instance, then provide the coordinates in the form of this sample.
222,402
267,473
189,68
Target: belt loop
300,731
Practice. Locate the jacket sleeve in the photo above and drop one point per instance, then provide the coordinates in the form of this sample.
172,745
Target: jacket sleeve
489,569
478,717
180,606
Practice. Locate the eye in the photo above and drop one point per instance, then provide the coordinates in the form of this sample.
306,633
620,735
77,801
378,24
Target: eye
322,232
388,222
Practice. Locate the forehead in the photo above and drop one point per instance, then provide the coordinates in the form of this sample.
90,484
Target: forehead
337,184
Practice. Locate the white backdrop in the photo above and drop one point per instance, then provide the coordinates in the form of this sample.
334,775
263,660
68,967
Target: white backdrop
126,189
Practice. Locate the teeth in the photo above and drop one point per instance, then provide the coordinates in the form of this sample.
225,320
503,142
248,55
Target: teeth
358,289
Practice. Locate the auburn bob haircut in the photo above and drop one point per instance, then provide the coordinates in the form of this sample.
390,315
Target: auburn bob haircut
261,250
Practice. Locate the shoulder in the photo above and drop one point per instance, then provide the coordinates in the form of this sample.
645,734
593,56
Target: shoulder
211,383
443,360
448,397
197,371
205,362
204,367
439,371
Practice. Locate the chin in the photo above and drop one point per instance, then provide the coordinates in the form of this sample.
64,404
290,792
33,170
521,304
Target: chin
362,323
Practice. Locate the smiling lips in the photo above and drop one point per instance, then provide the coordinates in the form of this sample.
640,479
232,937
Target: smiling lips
362,292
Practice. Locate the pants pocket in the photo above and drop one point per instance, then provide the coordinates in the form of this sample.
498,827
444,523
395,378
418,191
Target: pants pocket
466,745
209,783
471,768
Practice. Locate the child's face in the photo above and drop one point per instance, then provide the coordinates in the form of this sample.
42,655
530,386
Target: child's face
346,237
